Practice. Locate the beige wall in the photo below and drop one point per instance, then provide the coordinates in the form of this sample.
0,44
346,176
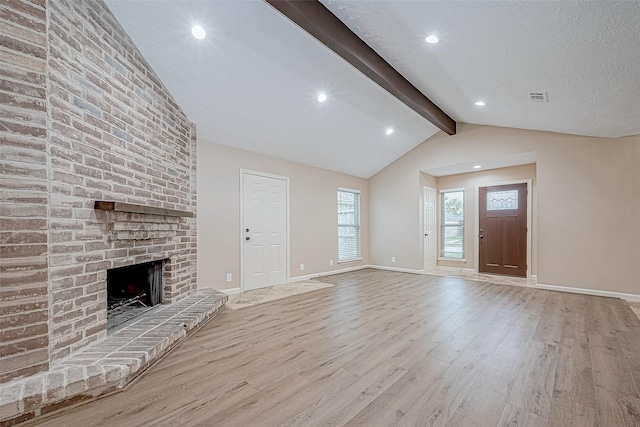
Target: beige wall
313,214
588,202
469,181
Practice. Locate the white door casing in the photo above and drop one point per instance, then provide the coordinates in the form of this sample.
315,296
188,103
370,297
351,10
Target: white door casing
429,197
264,230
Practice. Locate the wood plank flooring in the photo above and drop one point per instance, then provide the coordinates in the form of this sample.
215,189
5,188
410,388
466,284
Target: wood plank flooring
384,348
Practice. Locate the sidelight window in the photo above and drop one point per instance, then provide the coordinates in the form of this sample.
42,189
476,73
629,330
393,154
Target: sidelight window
452,224
348,224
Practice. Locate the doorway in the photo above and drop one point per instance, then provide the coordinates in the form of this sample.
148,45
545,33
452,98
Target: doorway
429,198
264,233
502,229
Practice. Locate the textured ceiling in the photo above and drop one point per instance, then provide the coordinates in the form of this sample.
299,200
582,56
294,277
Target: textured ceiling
584,54
253,81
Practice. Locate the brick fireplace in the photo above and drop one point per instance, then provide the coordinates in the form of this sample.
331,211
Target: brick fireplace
84,119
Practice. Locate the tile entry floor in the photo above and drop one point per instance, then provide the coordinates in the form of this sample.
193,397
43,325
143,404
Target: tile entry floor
271,293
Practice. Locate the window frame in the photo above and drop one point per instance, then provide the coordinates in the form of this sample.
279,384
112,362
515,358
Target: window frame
351,257
442,226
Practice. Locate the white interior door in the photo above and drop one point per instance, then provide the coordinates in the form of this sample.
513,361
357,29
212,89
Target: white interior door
264,230
429,229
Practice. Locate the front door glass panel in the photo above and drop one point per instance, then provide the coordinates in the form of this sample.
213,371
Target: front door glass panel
502,200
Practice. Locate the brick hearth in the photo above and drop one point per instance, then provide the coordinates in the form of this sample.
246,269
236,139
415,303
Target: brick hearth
110,364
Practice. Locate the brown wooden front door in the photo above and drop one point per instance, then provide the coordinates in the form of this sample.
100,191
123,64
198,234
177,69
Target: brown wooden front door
503,230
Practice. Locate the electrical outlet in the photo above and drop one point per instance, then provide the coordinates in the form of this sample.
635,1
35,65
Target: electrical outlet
331,262
228,277
393,259
301,267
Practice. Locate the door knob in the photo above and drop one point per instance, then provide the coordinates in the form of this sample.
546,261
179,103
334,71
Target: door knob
247,238
481,236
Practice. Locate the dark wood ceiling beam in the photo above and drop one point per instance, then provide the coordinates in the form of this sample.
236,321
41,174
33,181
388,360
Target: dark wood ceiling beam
317,20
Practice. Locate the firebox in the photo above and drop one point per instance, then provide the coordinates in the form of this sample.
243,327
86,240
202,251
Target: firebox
133,290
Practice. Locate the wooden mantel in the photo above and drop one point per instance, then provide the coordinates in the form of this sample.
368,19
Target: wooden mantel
129,207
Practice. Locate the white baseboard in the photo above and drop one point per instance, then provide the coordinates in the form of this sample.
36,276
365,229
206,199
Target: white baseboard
630,297
398,269
326,273
231,291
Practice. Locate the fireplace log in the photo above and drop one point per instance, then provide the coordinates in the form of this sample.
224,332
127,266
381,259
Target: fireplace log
129,301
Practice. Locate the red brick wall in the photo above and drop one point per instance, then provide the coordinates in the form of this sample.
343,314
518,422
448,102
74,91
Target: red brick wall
24,197
105,129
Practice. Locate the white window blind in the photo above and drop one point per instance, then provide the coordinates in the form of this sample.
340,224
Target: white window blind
452,224
348,224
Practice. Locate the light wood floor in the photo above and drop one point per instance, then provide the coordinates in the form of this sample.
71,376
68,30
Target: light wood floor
383,348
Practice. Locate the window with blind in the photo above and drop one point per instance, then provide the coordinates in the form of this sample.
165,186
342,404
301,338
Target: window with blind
452,224
348,224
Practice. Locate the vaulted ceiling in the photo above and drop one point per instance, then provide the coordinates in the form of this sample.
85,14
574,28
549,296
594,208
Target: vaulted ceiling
253,82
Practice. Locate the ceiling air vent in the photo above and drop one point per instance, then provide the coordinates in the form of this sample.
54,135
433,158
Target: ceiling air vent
538,96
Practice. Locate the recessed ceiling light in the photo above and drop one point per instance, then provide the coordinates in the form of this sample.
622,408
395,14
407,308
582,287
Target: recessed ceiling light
477,166
481,103
432,39
322,97
389,131
198,32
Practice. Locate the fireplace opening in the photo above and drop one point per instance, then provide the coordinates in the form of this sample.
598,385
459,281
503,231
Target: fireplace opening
132,291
